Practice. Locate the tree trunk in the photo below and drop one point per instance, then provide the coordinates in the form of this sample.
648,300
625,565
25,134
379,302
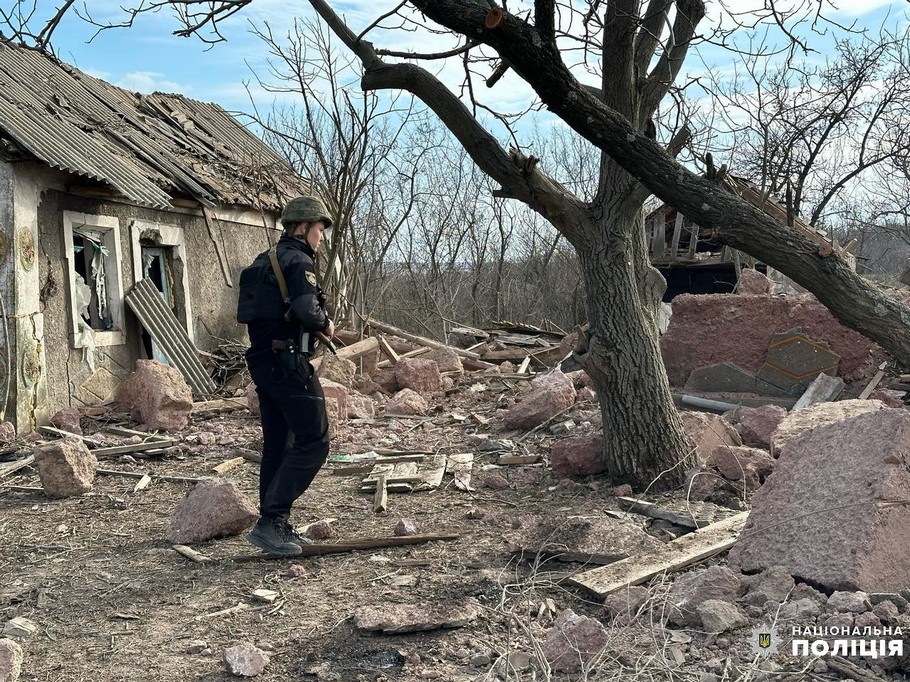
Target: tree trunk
643,435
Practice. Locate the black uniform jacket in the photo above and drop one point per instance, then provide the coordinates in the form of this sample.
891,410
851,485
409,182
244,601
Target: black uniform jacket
264,311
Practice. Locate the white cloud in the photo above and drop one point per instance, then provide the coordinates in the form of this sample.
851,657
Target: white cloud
151,81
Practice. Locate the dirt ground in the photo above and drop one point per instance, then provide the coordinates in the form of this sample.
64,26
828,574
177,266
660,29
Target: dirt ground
113,601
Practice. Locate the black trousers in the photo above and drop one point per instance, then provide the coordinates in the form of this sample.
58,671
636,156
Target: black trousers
295,434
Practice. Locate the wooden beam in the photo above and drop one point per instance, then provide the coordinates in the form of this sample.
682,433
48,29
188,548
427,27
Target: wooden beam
226,405
875,381
523,367
160,477
131,447
359,349
655,512
687,550
677,234
388,350
319,549
69,434
381,498
409,354
423,341
13,467
693,242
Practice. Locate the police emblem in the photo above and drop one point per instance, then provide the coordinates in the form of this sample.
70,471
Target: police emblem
765,639
311,277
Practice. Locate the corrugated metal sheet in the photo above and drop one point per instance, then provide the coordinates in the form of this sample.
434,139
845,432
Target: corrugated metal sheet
148,148
146,301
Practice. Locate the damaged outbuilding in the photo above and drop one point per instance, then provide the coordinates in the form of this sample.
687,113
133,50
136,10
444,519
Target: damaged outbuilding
101,188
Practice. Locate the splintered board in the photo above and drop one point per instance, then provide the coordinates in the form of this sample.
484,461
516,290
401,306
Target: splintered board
460,466
400,477
687,550
404,475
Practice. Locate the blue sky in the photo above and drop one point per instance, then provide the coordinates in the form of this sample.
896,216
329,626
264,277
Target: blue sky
147,57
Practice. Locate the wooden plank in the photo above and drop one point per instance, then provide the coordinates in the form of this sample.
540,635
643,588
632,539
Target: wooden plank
410,354
394,459
824,388
687,550
160,477
518,460
228,465
219,245
388,350
879,375
368,483
13,467
677,235
130,447
321,549
158,438
359,349
381,498
434,470
523,367
423,341
225,405
460,465
658,238
693,242
69,434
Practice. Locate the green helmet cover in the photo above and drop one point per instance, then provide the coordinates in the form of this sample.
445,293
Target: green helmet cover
305,210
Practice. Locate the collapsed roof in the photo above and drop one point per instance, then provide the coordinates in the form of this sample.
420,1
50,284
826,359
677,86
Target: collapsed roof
147,148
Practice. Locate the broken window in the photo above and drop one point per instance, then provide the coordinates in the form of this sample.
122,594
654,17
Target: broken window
90,256
96,292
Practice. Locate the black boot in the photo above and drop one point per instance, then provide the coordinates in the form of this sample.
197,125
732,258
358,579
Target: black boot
271,536
291,535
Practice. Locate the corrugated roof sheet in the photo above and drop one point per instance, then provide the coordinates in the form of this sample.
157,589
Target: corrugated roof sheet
147,147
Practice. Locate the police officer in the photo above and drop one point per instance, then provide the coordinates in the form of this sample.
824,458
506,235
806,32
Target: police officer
283,319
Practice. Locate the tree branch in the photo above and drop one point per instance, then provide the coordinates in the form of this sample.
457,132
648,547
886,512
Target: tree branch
648,37
734,221
519,177
688,14
544,20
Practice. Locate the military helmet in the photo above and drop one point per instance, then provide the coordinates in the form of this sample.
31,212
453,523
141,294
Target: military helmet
305,210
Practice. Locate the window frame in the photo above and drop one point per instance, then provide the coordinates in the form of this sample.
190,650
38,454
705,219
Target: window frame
109,226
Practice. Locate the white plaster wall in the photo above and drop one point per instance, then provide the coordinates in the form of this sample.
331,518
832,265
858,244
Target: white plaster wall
29,364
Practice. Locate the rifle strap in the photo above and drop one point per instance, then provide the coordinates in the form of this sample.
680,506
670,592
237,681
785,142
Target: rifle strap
279,275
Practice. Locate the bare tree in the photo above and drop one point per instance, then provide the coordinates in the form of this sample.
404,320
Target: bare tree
808,131
346,146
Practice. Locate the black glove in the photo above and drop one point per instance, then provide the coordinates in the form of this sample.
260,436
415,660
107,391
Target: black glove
320,296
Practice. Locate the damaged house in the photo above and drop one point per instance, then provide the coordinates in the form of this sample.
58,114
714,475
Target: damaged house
101,188
693,262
